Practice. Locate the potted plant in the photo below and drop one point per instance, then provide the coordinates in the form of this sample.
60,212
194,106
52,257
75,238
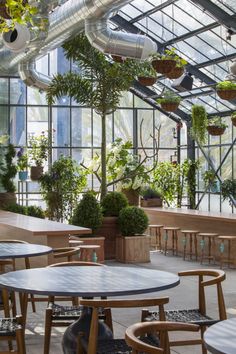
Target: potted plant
22,164
61,186
169,101
150,198
165,62
88,213
133,246
147,75
199,123
178,70
38,153
216,126
228,190
233,118
8,171
111,205
226,90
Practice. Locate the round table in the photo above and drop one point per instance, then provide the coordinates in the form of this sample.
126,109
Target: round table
220,338
21,250
88,281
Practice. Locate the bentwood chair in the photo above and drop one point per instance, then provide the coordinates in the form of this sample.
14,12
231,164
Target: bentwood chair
135,335
95,345
198,315
11,329
60,315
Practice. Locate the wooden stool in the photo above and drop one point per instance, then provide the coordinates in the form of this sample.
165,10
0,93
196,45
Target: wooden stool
174,236
88,253
227,259
155,232
192,236
210,236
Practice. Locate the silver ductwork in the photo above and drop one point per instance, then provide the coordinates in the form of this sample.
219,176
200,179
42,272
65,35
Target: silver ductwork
16,40
68,20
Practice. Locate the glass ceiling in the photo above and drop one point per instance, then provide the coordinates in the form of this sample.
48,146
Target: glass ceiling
198,36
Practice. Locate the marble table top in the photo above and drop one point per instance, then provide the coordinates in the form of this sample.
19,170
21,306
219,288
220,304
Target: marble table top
21,250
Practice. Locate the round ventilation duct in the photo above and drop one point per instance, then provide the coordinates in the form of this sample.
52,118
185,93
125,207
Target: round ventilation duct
16,40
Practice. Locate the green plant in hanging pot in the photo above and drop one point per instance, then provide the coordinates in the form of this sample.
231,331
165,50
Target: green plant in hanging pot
165,62
233,118
147,75
169,101
226,90
178,70
216,126
199,124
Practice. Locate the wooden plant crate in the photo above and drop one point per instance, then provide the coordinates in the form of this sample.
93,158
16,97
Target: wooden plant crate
109,230
133,249
151,202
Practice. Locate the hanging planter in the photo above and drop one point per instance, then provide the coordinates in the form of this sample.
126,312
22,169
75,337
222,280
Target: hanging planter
169,102
226,90
163,66
175,73
216,126
233,119
147,81
36,172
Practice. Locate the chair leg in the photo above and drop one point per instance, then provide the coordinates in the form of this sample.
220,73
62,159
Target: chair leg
47,330
204,351
20,339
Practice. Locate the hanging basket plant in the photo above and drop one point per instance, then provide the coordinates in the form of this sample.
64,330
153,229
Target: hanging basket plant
175,73
169,63
226,90
147,81
199,123
216,126
169,102
147,75
233,118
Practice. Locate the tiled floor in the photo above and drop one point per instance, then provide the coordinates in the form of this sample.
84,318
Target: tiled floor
183,296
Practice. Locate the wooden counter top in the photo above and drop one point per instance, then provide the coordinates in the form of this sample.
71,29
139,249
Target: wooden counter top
39,226
193,213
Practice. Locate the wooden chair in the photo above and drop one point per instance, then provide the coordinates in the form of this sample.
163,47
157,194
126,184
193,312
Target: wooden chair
95,345
65,252
12,329
199,315
60,315
135,335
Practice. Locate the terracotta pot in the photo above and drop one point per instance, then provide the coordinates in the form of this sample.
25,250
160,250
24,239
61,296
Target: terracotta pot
233,119
163,66
110,230
170,106
132,196
226,94
36,172
6,199
151,202
214,130
147,81
175,73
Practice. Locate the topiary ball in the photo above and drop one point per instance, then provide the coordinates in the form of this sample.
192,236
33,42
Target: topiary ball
132,221
113,202
88,212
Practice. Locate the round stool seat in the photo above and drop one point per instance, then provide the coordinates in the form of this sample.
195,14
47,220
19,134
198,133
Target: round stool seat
227,238
171,228
157,226
208,234
190,231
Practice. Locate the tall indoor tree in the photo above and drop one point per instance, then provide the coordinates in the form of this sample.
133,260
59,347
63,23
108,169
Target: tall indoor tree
98,83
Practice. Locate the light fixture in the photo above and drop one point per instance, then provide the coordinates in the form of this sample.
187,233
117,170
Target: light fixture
183,83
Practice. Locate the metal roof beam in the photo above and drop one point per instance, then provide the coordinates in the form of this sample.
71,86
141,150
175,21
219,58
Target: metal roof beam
216,60
219,14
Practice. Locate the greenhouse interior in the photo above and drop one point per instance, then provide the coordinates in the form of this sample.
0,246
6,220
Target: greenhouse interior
117,150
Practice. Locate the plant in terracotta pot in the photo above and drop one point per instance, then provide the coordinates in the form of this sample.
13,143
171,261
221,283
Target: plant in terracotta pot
199,123
22,164
178,70
150,197
233,118
169,101
111,205
226,90
147,75
39,147
165,62
133,245
216,126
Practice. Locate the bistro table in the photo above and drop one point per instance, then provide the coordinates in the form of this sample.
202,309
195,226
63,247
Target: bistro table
22,250
220,338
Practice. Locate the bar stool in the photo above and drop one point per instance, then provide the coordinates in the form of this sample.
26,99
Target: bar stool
191,236
229,240
210,236
155,233
173,233
88,253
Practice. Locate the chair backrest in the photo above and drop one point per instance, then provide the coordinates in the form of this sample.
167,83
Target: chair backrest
216,278
142,329
67,252
96,305
76,263
13,241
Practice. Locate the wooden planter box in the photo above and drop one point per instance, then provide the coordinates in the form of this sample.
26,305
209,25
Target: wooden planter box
133,249
93,240
6,199
152,202
109,230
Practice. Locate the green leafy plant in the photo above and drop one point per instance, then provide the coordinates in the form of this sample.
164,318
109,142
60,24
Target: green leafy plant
32,210
22,160
132,221
233,115
209,178
199,123
98,84
35,211
88,212
169,97
39,148
170,54
228,190
217,121
16,208
150,193
61,186
226,85
113,202
8,168
146,70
